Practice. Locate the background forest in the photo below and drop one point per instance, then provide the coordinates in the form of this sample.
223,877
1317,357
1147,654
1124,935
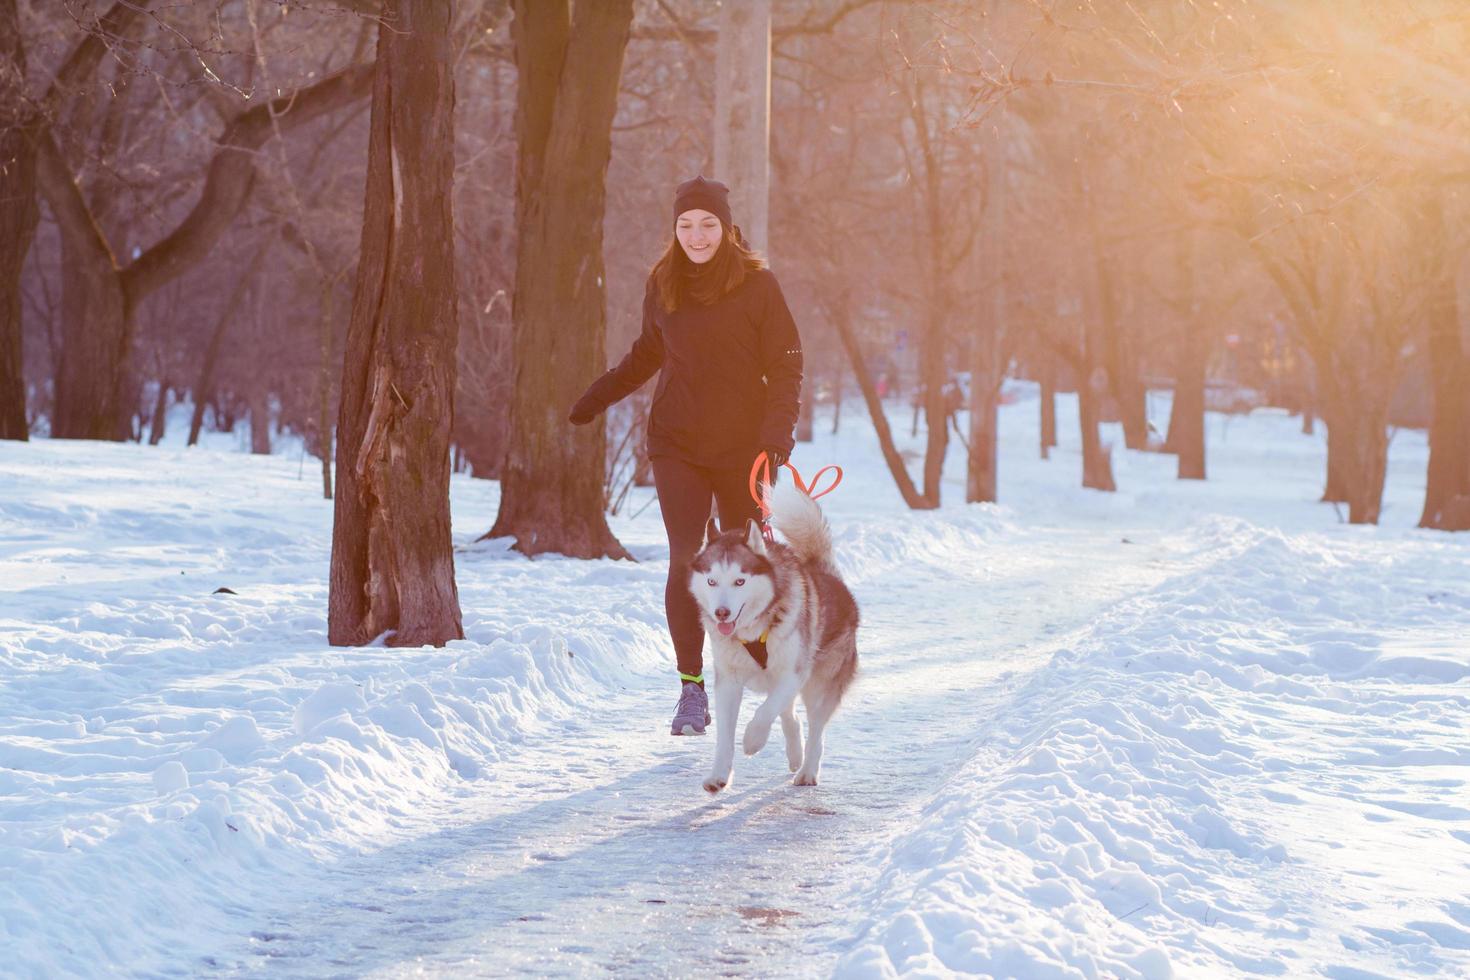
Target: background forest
1254,202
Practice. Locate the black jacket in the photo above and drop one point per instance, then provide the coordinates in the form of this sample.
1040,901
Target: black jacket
731,375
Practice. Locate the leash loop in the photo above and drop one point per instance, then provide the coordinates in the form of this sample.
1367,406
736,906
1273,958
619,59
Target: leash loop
760,472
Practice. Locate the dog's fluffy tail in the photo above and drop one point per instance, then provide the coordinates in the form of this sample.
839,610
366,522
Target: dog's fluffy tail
798,517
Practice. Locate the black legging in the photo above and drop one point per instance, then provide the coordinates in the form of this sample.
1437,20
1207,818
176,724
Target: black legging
684,493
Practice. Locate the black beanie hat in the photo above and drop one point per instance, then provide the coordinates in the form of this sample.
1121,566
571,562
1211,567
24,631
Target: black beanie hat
707,195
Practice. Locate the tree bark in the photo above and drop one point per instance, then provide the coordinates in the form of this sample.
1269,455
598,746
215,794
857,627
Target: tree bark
1093,383
804,416
1448,474
982,483
1048,371
41,167
1335,489
837,386
204,387
1123,384
987,365
18,216
160,413
742,130
1369,468
260,420
324,427
551,485
986,376
1097,463
933,343
906,489
1356,413
392,554
1187,415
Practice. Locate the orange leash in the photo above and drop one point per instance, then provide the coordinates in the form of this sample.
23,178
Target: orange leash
760,473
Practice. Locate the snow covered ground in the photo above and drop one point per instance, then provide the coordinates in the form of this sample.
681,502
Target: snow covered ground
1189,729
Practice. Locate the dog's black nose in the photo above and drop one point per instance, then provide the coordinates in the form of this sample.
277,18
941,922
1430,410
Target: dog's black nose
722,614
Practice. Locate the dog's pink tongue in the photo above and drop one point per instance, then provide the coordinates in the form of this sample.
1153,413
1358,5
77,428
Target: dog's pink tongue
726,628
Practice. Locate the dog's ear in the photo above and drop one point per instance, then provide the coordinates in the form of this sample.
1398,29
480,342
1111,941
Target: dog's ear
754,540
710,531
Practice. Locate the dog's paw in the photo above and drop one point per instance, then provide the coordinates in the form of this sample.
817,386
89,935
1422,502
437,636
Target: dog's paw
755,736
714,784
793,762
804,778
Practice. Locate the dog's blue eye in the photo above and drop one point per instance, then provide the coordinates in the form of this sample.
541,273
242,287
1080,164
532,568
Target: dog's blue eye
739,582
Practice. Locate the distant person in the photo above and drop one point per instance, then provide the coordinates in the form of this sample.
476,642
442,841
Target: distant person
715,321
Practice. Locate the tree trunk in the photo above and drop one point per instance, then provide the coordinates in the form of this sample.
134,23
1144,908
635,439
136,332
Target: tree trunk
982,483
891,456
204,387
1355,409
160,413
18,215
804,416
1093,383
1365,444
986,376
52,178
551,485
742,130
260,420
1048,372
96,343
1123,384
1097,463
837,387
1338,449
1309,398
936,442
325,333
392,554
987,367
1448,473
1187,415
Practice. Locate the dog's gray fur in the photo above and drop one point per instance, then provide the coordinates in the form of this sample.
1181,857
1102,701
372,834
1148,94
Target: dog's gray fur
794,592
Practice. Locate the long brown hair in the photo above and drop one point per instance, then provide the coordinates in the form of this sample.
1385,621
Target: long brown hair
681,282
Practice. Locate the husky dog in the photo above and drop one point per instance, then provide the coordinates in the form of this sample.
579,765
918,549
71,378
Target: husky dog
784,604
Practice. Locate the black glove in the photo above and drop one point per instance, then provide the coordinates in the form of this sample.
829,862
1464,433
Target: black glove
777,458
584,411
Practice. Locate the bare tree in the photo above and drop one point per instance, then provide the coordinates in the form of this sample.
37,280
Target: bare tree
18,215
102,293
392,555
569,60
1187,415
1447,483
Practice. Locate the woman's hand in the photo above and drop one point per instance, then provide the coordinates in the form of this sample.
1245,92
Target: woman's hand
583,412
777,458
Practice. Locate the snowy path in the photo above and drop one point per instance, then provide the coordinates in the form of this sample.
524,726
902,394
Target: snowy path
594,849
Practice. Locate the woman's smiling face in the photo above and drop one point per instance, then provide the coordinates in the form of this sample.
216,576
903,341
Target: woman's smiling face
699,234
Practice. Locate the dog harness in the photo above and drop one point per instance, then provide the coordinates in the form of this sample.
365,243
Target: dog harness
757,648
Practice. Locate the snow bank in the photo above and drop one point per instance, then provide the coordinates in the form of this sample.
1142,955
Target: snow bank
168,753
1171,795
